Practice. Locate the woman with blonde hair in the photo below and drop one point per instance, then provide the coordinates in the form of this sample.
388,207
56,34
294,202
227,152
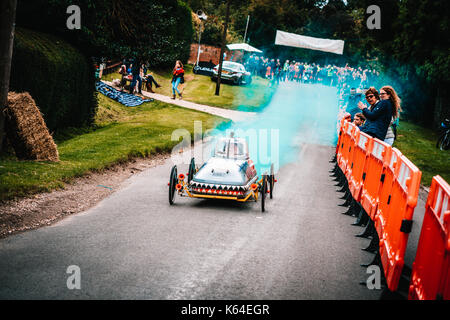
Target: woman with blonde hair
388,93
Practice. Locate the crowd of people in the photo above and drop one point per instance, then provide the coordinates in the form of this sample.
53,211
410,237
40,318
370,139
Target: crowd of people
378,118
342,77
137,73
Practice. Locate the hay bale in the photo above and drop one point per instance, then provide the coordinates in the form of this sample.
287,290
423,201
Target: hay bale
26,129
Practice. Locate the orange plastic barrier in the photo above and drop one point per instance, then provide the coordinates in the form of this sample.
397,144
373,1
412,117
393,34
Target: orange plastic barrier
341,142
384,194
358,166
354,138
341,131
430,278
351,154
377,161
347,146
394,238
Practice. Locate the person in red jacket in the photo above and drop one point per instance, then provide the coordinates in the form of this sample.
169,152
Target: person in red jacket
177,78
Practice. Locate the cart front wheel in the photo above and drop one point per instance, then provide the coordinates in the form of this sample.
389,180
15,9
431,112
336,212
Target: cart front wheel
263,193
172,184
191,170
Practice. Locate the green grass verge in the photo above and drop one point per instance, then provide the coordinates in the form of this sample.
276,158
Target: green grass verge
121,133
200,89
418,144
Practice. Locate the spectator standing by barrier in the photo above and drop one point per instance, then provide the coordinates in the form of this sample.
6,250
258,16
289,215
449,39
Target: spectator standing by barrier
329,75
390,136
315,69
177,78
285,70
297,76
322,75
334,77
291,71
388,93
268,72
378,116
359,120
301,71
262,67
272,68
254,65
278,71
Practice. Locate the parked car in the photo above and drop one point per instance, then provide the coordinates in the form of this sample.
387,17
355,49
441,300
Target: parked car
234,72
204,68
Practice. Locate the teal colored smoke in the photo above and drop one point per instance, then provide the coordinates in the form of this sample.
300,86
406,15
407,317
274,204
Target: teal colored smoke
299,114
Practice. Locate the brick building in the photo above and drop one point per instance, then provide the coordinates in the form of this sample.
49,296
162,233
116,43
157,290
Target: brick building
212,53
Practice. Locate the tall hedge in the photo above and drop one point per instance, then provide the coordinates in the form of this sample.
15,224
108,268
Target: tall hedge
157,31
59,78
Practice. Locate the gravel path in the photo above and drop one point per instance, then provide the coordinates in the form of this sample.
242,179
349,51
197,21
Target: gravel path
221,112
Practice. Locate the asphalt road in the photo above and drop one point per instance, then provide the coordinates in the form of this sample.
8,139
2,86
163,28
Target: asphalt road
134,245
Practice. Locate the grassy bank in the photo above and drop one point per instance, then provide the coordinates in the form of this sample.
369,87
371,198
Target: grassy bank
418,144
200,89
121,133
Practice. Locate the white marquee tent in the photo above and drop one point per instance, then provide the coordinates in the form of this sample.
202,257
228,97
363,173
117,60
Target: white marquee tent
243,46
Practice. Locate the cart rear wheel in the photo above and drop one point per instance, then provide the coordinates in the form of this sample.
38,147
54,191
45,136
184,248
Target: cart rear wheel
172,184
263,193
191,170
271,181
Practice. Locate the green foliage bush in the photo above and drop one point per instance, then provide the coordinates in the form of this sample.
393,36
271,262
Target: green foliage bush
213,33
157,31
58,77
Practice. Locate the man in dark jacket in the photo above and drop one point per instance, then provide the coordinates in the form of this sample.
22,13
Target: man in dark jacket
136,72
378,116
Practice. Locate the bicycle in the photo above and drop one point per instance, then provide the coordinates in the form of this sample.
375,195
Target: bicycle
443,142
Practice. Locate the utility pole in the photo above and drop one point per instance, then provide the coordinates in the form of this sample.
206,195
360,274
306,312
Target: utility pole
203,17
246,27
198,50
7,26
222,48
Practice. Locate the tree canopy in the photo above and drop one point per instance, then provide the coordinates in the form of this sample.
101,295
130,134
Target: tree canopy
412,48
159,31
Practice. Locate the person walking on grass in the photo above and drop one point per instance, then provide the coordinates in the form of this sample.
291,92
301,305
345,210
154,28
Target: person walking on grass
177,78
